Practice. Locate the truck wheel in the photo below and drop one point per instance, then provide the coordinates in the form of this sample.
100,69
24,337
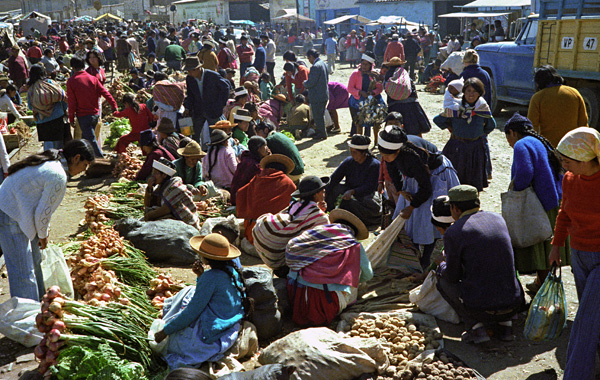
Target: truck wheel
496,105
591,97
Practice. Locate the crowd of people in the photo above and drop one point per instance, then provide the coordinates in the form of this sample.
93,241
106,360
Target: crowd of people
307,229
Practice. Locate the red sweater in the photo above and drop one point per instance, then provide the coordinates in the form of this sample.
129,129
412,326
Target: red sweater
83,92
298,81
34,52
140,121
245,54
579,214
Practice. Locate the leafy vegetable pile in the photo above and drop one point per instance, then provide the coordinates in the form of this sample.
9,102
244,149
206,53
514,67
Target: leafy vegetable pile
118,128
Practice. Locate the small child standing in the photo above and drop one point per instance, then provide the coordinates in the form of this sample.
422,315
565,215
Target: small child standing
266,87
453,98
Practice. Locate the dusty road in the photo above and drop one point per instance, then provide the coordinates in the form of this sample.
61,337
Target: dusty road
497,361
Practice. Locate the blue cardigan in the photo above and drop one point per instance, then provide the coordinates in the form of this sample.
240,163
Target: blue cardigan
215,89
362,178
531,168
477,72
216,302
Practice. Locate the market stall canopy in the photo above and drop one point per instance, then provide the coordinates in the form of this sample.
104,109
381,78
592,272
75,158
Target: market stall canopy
82,19
498,4
9,27
395,20
109,15
337,20
292,17
473,14
35,20
242,22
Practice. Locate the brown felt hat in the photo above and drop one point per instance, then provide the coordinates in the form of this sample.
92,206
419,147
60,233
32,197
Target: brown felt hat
280,158
340,214
166,126
214,247
192,149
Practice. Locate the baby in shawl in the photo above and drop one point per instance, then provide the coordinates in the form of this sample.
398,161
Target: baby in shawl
453,98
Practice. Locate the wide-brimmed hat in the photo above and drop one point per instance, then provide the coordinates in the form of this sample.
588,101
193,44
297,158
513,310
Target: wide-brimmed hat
214,247
251,84
210,42
280,158
217,136
240,91
280,97
223,124
165,125
191,63
192,149
223,41
242,115
310,185
395,61
339,214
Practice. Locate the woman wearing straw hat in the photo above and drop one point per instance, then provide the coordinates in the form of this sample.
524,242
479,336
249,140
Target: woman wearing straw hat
579,218
415,120
318,292
167,197
202,326
189,169
361,174
422,176
359,87
220,163
273,231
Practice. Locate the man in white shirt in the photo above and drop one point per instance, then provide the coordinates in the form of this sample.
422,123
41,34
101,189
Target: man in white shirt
270,48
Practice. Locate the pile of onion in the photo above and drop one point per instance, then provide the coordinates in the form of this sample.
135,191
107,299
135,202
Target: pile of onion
50,323
127,167
161,288
95,211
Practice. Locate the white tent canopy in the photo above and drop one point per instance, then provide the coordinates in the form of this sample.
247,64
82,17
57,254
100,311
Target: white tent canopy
35,20
293,17
474,14
338,20
395,20
498,4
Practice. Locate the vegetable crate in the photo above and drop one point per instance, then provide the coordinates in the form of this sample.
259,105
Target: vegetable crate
11,141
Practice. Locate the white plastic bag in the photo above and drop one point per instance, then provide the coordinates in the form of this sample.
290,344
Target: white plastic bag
328,119
156,326
56,271
430,301
17,321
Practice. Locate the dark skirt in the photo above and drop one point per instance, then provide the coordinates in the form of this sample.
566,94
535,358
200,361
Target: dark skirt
468,158
54,130
414,118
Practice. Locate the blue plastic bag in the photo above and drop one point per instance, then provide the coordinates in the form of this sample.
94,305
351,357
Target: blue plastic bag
548,311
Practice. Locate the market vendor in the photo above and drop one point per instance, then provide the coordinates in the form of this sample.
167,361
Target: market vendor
249,165
279,143
169,138
139,117
202,326
306,211
326,265
482,289
189,169
242,119
152,151
359,192
167,197
240,99
273,109
269,191
7,105
220,162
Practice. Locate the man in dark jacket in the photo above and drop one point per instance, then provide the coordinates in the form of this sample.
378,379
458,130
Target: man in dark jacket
207,94
318,92
478,278
411,51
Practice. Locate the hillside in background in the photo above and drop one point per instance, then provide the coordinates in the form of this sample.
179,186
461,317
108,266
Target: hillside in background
9,5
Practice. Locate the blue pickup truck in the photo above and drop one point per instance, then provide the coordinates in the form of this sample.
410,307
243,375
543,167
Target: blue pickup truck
565,35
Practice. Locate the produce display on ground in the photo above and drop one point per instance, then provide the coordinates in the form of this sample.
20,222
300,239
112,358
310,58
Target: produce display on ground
127,166
118,128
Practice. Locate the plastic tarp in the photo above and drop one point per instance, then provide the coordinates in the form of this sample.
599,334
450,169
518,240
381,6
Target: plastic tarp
242,22
473,14
498,4
109,15
82,19
395,20
337,20
9,27
35,20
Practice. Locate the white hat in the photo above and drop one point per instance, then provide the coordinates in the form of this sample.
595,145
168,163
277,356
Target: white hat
163,168
359,147
387,144
368,58
241,92
457,84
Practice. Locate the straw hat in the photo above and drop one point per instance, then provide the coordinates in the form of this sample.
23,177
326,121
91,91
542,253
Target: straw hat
341,214
280,97
280,158
192,149
214,247
395,61
223,124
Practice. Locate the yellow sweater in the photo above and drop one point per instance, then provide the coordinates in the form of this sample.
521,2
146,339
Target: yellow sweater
209,59
554,111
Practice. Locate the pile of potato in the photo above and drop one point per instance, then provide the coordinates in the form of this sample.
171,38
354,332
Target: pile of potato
441,368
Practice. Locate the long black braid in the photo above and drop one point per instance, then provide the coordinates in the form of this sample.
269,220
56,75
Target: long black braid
212,158
525,129
229,267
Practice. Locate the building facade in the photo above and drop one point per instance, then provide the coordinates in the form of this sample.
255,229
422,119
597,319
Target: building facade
215,10
330,9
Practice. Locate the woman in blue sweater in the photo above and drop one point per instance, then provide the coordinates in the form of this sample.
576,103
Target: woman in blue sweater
203,325
537,164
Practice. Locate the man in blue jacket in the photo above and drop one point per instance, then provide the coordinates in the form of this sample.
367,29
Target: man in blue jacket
318,92
207,94
260,56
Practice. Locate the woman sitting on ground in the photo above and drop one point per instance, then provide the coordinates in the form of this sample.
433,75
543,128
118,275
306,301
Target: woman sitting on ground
169,138
326,265
203,325
249,165
220,162
242,118
167,197
139,116
240,99
189,169
306,211
359,192
152,151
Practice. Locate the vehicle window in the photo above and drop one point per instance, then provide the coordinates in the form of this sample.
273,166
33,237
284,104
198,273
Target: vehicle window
530,34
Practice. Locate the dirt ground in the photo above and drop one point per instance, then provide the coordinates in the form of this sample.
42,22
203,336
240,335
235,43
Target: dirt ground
496,361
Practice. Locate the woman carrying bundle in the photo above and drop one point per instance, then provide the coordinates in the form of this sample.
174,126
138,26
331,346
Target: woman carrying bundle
25,215
203,325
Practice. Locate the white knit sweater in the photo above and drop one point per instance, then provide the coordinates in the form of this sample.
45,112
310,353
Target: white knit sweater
31,195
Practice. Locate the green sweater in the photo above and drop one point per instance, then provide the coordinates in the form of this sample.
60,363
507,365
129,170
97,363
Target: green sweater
279,143
190,176
174,53
241,136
